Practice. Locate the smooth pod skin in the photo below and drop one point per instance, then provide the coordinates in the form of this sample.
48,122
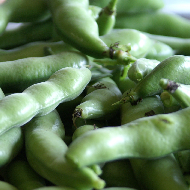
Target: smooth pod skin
82,33
6,186
179,45
11,142
22,11
139,43
174,68
98,103
140,68
167,24
163,173
160,51
20,174
34,49
54,188
15,76
26,33
106,18
128,6
146,107
41,98
119,173
179,91
168,133
47,157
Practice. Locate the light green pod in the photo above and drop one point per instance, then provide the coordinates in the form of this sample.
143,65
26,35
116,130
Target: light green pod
26,33
179,45
22,11
140,68
20,174
174,68
160,51
15,76
6,186
163,173
34,49
179,91
131,7
41,98
106,18
138,42
147,137
98,103
146,107
45,151
119,173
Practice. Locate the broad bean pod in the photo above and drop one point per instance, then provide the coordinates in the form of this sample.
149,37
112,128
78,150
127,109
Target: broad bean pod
15,76
106,18
167,133
22,11
179,91
160,51
25,33
131,7
152,173
34,49
179,45
21,175
163,173
6,186
140,68
41,98
146,107
174,68
167,24
97,104
119,173
47,157
10,143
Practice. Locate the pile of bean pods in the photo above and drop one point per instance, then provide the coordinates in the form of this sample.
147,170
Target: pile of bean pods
94,95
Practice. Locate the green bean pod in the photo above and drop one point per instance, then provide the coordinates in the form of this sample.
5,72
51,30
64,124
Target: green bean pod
140,68
47,157
174,68
41,98
160,51
147,137
15,76
22,11
98,103
146,107
138,42
11,142
106,18
163,173
132,7
34,49
6,186
119,173
25,33
20,174
179,45
82,29
169,102
167,24
179,91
